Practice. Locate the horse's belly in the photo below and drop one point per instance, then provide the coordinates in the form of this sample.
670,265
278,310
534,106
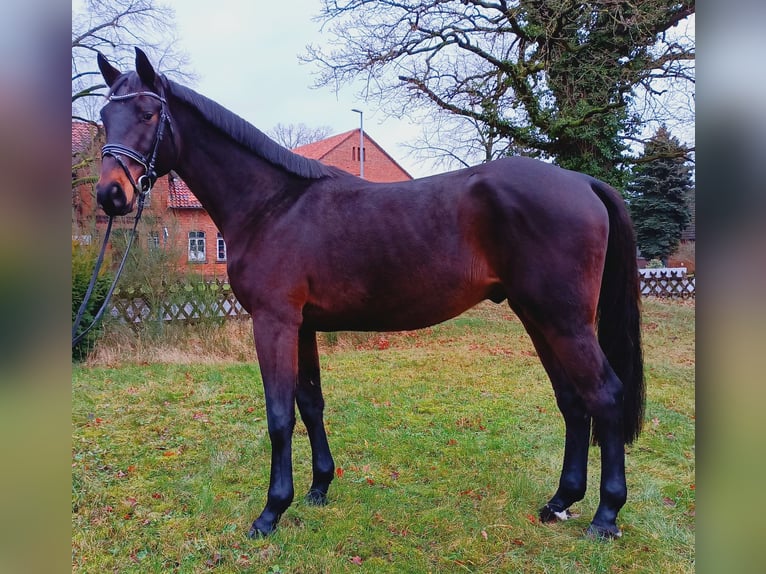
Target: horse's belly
404,310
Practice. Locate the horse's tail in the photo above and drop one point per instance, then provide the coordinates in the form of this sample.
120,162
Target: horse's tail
619,310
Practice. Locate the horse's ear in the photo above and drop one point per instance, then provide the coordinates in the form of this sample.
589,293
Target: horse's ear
144,68
109,72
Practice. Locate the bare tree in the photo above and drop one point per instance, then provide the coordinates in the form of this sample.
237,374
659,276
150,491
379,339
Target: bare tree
454,141
294,135
114,27
571,81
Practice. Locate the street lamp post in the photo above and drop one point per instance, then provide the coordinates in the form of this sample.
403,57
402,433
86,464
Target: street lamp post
361,141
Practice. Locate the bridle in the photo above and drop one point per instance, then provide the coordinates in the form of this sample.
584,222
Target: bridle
146,181
141,189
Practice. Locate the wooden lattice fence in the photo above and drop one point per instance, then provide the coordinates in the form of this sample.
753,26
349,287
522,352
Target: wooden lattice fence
214,300
669,286
187,302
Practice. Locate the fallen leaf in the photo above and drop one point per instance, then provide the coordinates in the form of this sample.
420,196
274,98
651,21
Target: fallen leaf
214,561
339,472
356,560
484,534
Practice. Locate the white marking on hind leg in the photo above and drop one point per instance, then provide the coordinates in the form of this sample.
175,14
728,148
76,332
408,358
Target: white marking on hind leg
565,514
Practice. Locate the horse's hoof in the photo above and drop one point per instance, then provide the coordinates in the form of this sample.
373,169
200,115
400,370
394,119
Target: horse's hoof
316,498
260,530
603,532
547,514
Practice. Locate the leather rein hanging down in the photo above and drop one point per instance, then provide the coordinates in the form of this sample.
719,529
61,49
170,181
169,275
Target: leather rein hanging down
141,188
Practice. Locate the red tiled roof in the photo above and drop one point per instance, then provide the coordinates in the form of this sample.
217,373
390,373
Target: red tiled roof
83,135
180,196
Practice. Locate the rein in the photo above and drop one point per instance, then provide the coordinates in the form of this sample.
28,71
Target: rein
77,338
141,188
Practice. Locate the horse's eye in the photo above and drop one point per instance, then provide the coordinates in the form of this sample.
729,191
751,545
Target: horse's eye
147,116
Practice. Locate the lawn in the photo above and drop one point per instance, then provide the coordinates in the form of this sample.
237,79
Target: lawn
447,441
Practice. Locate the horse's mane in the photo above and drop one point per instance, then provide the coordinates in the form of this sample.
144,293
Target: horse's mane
246,134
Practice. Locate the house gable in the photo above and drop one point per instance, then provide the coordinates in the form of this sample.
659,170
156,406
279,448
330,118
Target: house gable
342,150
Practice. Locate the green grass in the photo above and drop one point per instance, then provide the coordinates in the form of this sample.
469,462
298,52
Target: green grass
448,439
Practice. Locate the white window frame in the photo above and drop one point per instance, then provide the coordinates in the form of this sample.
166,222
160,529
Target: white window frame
197,248
220,252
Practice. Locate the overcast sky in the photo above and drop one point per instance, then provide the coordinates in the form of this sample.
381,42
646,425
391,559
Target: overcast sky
245,57
244,54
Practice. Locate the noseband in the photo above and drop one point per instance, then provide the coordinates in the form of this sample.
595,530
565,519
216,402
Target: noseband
146,181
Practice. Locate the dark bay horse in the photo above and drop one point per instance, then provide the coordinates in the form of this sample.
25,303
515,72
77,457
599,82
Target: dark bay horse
312,248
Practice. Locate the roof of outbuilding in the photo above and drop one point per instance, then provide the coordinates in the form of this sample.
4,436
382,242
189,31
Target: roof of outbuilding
83,134
179,194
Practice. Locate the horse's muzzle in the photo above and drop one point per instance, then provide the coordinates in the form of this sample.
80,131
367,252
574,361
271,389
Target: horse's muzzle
112,199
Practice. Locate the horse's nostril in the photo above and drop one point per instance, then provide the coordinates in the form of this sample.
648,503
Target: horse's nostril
111,198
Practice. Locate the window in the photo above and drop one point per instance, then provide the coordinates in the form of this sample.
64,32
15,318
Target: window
196,246
221,254
153,240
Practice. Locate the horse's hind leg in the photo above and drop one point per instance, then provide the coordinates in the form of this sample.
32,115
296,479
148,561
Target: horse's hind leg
586,388
311,408
574,472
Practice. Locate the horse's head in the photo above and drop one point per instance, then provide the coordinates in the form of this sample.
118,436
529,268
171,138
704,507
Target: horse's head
140,143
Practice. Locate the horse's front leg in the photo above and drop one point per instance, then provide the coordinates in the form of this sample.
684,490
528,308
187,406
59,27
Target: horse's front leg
311,407
277,346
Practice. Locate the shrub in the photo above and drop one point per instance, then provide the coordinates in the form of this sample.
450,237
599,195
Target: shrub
83,263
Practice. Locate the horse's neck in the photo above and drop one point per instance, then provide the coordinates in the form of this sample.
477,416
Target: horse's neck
232,183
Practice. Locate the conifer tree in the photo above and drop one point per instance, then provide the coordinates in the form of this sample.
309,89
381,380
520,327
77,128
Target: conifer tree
657,196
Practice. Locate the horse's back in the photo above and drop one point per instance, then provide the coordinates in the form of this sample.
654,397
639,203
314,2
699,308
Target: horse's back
365,256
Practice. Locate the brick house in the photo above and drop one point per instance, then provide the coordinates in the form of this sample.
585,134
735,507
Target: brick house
342,151
174,216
